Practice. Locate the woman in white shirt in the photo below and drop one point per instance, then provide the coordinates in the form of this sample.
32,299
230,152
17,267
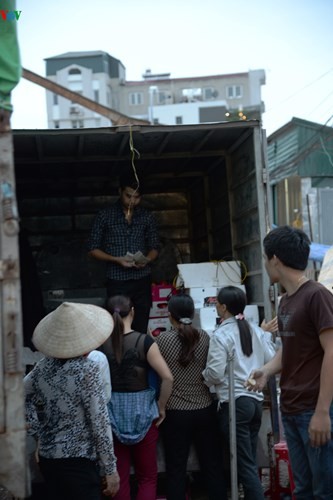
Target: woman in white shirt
251,347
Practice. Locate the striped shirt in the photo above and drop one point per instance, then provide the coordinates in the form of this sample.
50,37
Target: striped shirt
113,234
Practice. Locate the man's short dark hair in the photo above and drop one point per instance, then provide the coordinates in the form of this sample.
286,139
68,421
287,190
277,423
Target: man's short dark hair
290,245
128,179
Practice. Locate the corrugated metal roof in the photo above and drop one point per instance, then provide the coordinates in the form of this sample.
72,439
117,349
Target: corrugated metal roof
300,148
89,53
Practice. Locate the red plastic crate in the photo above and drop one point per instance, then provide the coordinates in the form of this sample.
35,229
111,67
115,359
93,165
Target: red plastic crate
282,455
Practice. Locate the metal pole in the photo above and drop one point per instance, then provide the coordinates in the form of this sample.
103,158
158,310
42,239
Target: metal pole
152,90
232,427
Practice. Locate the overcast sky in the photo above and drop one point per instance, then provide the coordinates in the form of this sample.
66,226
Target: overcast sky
292,40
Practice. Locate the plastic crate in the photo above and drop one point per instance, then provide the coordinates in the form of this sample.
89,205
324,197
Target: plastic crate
284,483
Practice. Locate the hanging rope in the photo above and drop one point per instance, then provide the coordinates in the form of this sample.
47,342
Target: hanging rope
134,152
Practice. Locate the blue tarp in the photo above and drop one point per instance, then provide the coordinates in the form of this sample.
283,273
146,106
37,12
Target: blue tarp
318,251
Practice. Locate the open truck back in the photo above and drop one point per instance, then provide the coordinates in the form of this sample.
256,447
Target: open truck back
206,184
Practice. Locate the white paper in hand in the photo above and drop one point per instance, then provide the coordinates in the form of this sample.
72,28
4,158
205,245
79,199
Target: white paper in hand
138,257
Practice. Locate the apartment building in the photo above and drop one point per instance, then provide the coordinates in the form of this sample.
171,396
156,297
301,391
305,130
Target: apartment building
157,98
96,75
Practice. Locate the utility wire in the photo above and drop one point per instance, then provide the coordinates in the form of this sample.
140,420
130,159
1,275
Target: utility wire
301,90
325,151
331,93
313,140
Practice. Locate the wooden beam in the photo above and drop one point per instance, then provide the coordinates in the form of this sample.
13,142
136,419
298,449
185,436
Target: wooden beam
115,117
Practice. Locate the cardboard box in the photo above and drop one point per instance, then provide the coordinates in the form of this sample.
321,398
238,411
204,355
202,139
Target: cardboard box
251,313
207,318
159,309
160,293
159,325
206,296
210,274
202,294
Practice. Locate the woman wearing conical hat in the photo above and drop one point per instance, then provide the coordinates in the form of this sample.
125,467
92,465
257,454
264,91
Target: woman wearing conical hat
66,404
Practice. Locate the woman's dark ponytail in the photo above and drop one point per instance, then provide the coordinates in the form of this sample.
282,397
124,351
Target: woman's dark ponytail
235,301
181,308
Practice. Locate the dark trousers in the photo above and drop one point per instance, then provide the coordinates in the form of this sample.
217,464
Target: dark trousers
179,430
248,422
69,478
140,293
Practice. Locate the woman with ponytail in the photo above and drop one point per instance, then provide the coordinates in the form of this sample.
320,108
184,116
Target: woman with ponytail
134,412
190,412
251,348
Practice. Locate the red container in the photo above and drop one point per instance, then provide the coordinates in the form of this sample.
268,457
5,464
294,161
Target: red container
282,455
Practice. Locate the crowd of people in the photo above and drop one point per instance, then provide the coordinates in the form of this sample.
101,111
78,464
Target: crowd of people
92,408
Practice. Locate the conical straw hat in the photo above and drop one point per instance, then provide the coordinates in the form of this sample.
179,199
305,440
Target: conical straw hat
72,330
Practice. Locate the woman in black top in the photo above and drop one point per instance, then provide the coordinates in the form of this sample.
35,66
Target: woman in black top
134,412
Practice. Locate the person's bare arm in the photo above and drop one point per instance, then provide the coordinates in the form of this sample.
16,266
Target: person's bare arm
152,255
158,363
320,423
270,326
259,377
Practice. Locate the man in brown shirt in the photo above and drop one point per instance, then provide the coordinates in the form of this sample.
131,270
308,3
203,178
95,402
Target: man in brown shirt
305,360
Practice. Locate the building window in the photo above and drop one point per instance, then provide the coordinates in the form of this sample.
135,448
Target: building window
162,97
209,93
234,92
179,120
135,98
77,124
74,74
56,124
55,99
96,88
192,95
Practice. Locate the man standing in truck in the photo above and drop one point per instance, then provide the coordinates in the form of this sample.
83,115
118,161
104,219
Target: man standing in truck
125,236
305,360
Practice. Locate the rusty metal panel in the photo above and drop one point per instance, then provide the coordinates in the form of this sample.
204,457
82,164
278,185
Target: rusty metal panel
12,421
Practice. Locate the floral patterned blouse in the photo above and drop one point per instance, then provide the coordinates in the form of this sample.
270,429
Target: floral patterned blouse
66,410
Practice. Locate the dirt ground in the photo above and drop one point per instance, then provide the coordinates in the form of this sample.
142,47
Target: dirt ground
196,489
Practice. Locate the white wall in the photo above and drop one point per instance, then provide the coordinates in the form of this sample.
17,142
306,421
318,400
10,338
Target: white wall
189,111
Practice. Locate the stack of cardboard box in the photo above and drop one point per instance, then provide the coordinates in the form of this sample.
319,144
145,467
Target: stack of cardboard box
158,317
202,282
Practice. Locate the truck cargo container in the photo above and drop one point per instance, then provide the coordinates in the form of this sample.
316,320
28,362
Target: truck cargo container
206,184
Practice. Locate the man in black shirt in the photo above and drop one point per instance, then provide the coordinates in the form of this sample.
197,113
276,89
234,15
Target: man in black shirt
125,236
